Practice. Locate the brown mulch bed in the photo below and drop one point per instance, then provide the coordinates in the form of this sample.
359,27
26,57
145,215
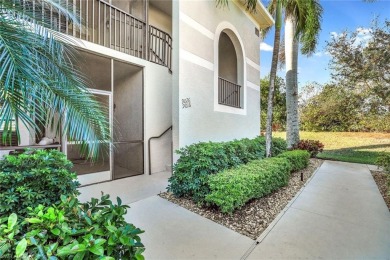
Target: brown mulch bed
381,180
253,218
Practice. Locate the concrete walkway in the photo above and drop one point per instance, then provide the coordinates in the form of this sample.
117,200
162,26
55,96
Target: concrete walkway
339,214
172,232
129,189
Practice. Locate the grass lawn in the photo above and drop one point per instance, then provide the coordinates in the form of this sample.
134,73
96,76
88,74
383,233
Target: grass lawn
347,146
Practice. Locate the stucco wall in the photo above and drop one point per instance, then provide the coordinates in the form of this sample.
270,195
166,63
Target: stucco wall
159,19
158,114
200,24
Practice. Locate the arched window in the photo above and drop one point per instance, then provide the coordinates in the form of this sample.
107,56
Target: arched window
227,59
230,70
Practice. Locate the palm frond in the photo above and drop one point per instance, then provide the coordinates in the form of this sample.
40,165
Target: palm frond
272,10
309,36
307,15
38,80
250,5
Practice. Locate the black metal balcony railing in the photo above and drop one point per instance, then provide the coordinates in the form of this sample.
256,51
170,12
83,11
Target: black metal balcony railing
117,29
229,93
160,47
109,26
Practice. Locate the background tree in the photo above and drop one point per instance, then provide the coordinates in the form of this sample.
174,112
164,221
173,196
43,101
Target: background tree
333,109
308,91
38,80
358,99
279,103
363,67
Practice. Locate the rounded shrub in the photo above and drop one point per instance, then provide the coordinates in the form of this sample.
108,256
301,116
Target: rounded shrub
279,146
34,177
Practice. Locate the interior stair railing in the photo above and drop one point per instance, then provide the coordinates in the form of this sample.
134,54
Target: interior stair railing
149,153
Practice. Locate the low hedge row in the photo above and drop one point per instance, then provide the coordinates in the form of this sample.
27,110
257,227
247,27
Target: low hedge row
198,161
299,159
232,188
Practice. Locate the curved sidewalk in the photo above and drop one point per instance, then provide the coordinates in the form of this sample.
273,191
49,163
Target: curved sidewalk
340,214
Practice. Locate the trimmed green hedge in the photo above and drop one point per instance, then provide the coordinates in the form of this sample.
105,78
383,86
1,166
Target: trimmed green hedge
198,161
299,159
232,188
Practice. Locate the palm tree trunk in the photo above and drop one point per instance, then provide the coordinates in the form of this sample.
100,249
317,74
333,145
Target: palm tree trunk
274,66
291,53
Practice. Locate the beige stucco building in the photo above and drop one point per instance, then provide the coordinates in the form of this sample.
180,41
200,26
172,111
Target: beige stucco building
188,67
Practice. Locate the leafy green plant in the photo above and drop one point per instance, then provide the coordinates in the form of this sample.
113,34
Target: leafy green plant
299,159
39,76
72,230
279,106
279,146
384,162
232,188
32,178
312,146
198,161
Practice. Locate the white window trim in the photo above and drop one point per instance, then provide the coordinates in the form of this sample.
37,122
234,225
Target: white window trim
222,108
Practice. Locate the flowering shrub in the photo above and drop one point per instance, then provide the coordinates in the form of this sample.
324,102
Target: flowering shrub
312,146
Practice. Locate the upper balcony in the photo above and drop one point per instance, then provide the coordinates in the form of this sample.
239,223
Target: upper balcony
139,28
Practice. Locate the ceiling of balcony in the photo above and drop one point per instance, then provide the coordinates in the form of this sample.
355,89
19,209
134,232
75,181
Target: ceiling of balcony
163,5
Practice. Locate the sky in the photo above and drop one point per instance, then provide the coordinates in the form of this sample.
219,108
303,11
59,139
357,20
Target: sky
338,16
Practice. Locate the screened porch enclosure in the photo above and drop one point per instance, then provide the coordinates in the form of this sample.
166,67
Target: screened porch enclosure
118,86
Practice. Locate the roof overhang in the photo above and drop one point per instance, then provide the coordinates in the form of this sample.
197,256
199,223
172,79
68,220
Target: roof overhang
261,15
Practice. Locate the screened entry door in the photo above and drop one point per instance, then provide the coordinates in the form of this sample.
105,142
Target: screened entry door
128,152
99,170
